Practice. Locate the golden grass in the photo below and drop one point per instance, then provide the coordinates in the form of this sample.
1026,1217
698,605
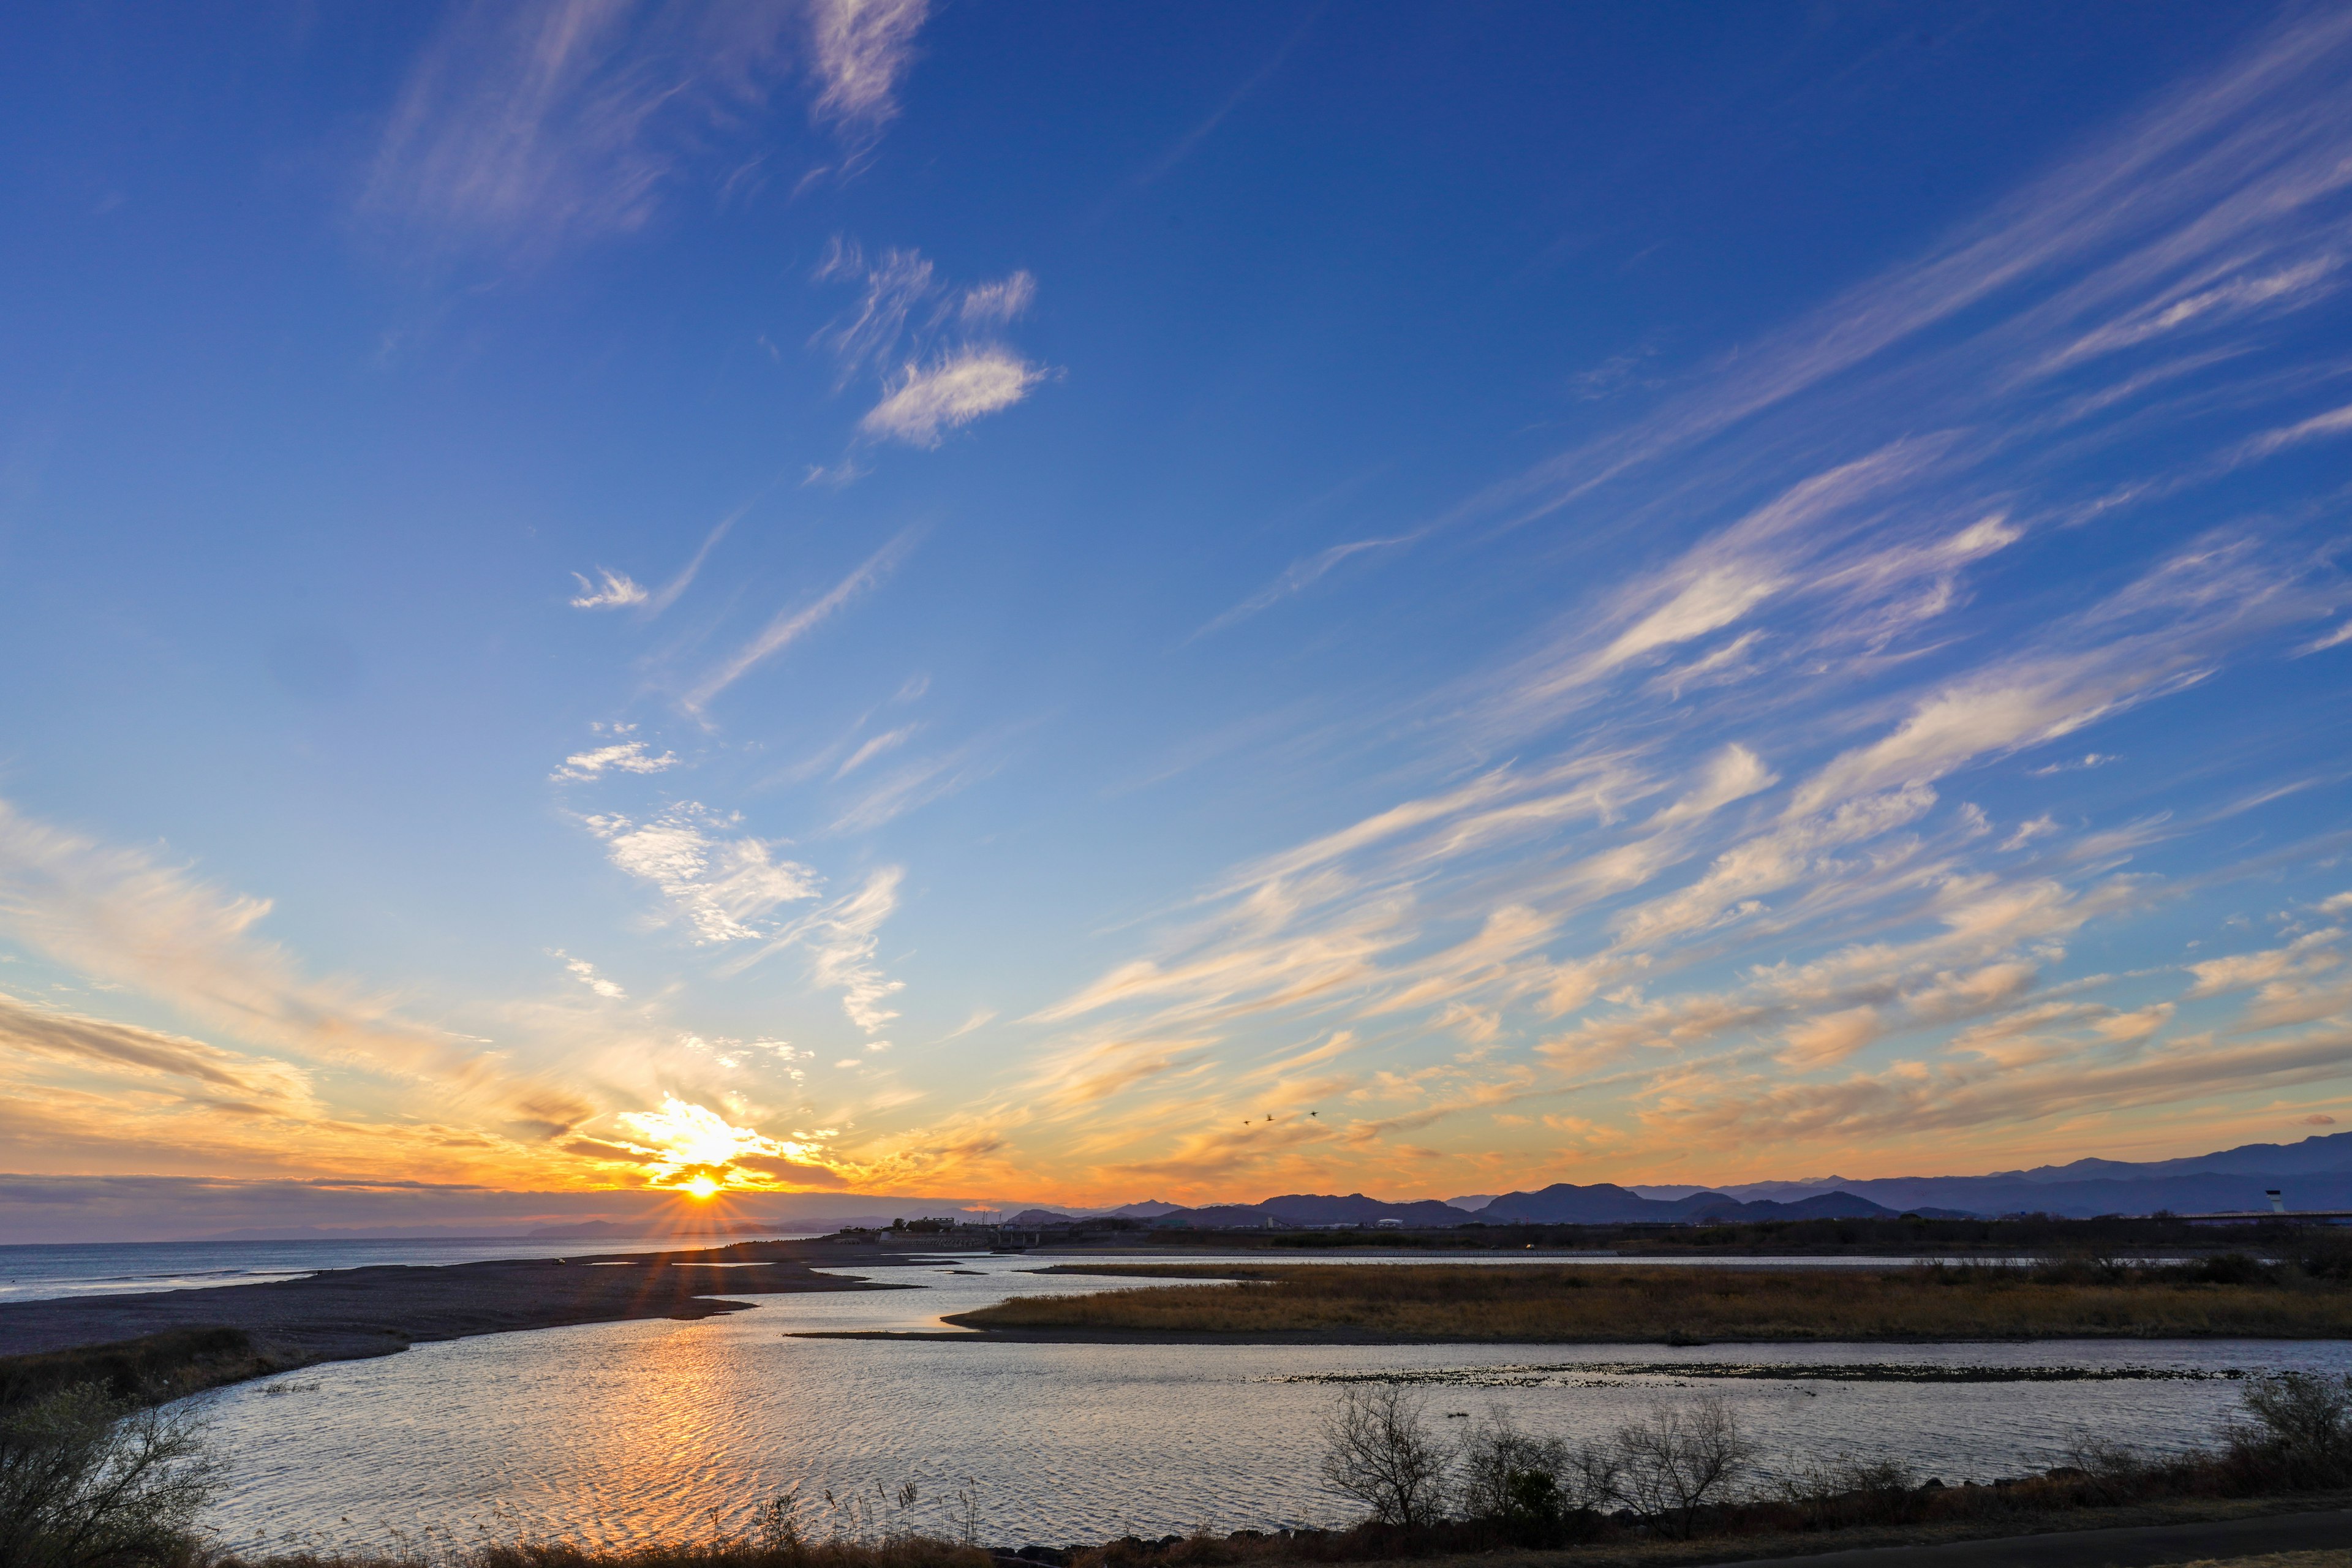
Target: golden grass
1594,1304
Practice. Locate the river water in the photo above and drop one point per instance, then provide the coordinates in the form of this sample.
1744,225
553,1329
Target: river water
624,1432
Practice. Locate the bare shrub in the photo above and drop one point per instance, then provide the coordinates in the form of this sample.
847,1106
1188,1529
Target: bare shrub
2101,1470
1680,1458
1533,1490
88,1481
1511,1482
1849,1490
1377,1450
2300,1425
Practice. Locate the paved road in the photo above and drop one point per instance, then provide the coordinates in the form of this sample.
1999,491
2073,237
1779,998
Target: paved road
2134,1547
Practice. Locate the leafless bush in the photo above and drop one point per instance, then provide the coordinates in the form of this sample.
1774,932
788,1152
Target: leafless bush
1506,1479
1849,1490
1681,1457
1377,1448
86,1481
2102,1470
1532,1489
2298,1424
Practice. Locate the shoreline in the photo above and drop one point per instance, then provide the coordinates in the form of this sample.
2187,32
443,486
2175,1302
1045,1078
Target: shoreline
357,1314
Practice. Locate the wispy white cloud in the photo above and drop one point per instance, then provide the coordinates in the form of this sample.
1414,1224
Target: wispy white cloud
862,50
723,885
587,975
896,286
791,624
680,583
2311,953
618,590
124,918
540,124
2231,175
844,939
2071,765
1910,1101
841,940
30,1028
2335,638
917,783
615,591
625,757
940,365
1300,576
2203,301
999,302
872,747
2335,422
924,401
535,125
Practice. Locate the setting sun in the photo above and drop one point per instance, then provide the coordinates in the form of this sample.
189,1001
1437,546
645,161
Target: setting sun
702,1187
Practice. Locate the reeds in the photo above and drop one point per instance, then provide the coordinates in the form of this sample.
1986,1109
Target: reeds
1534,1303
150,1370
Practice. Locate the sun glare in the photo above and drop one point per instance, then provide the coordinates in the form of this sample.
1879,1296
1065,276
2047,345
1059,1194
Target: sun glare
693,1141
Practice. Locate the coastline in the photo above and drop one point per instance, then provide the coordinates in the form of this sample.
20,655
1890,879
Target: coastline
353,1314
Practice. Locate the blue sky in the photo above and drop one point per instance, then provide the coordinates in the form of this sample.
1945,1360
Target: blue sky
1076,602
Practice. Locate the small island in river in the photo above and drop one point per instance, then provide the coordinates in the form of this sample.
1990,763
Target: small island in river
2226,1297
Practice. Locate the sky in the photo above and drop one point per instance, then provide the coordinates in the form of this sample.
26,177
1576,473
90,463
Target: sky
1073,604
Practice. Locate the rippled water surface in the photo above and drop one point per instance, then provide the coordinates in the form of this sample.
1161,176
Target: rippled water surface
620,1432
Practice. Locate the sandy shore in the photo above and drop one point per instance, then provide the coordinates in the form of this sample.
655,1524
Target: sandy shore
345,1313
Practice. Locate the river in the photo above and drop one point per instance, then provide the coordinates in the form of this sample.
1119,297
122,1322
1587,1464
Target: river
624,1432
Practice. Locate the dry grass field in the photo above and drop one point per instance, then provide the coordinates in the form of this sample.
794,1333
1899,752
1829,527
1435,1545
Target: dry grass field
1595,1304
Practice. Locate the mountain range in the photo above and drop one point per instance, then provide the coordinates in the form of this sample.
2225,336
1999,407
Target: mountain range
2316,1173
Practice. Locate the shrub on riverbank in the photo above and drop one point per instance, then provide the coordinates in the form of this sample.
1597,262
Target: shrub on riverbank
150,1370
1597,1304
88,1480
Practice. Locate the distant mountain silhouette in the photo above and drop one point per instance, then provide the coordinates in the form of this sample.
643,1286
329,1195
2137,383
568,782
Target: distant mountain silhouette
1561,1204
1566,1204
2316,1173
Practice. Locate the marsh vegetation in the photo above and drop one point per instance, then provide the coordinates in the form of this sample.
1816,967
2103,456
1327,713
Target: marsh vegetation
2232,1295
